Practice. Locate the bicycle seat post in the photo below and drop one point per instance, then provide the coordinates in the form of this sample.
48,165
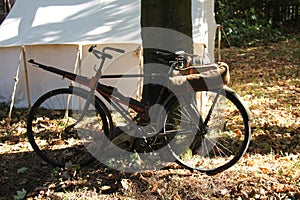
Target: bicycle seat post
94,80
102,56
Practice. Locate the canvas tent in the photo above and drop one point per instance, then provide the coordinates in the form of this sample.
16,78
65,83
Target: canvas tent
58,33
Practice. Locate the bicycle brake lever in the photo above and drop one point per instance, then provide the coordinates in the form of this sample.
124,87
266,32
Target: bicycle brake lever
92,48
97,53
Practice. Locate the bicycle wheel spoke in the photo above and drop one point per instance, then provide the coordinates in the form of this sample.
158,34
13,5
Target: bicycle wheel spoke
52,133
214,146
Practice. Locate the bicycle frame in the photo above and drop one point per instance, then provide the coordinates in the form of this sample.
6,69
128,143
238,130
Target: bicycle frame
111,94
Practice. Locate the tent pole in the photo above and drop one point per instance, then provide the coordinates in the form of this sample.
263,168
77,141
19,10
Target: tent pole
141,80
77,63
16,79
139,53
8,5
26,77
219,43
5,7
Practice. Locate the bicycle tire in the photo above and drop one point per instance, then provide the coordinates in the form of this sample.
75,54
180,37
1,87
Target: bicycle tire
213,148
49,136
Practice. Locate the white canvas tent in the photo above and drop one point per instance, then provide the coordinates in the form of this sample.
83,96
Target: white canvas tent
58,33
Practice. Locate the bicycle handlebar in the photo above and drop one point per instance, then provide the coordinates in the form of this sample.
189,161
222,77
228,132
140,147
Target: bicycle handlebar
102,54
180,57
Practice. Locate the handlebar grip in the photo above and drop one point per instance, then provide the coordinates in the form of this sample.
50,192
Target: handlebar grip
114,49
91,48
102,54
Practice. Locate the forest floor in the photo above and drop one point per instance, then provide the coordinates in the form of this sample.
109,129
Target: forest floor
268,79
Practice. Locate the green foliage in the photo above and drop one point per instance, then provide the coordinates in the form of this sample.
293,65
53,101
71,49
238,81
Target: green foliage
248,23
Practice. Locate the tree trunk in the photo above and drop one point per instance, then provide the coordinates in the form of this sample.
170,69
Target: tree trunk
173,32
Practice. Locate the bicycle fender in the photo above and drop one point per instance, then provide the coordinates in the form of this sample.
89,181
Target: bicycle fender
231,91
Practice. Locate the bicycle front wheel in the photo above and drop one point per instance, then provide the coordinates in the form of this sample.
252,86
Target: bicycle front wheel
211,130
55,133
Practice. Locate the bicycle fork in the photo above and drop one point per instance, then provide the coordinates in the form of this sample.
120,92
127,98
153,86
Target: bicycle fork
196,118
84,111
204,127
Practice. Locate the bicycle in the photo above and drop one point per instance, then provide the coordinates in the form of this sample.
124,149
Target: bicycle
73,125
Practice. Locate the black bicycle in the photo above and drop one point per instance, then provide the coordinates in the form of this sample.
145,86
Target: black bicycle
202,124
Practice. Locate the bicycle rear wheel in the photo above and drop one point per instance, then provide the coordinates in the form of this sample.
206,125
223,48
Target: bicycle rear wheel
55,133
212,144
